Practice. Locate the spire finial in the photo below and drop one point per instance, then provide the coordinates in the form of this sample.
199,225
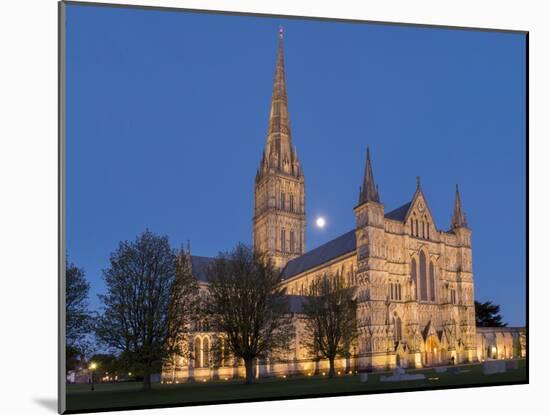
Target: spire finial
418,181
459,218
188,247
280,32
369,191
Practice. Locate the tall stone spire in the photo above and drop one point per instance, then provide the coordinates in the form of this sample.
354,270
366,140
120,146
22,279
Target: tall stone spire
369,190
278,152
459,218
279,191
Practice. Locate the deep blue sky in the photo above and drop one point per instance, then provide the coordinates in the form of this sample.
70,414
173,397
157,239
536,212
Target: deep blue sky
167,117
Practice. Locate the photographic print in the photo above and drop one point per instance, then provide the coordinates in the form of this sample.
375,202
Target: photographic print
274,207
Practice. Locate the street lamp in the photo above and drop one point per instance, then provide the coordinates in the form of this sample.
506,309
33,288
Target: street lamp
93,367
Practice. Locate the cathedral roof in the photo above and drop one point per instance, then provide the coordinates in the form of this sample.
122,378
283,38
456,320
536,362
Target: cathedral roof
333,249
324,253
399,213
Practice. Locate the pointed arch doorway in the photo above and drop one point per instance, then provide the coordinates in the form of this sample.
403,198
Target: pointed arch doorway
433,351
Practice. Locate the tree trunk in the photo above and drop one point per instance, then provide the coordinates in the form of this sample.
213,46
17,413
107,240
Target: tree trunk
249,368
147,379
331,367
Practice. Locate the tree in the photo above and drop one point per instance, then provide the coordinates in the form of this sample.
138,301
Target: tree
74,358
107,364
139,306
78,320
184,309
487,315
330,319
247,305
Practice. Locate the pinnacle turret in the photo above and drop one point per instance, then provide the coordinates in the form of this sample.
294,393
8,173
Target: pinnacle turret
459,218
369,191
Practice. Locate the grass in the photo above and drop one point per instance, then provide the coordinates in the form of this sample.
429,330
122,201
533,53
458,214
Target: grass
80,397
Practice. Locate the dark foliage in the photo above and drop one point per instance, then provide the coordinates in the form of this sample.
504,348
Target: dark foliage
184,310
330,313
246,304
78,318
487,315
142,288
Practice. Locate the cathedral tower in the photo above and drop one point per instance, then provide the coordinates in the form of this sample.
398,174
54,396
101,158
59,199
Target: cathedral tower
279,194
465,281
375,334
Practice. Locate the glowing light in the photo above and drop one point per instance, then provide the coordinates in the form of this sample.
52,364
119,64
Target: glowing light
320,222
93,366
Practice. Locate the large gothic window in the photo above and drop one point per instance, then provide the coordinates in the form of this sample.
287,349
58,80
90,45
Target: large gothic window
423,277
413,276
205,352
432,282
198,352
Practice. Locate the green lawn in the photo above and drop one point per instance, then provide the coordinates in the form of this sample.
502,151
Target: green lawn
79,397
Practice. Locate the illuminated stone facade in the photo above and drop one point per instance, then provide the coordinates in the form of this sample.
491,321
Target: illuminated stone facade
414,282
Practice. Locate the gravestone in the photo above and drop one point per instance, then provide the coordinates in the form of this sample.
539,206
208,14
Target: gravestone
494,366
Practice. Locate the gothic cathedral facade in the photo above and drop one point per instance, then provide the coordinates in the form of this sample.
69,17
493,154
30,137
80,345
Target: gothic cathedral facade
414,282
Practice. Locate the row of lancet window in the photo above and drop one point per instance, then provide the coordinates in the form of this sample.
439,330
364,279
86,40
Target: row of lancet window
424,278
290,206
420,229
202,353
292,247
395,291
452,296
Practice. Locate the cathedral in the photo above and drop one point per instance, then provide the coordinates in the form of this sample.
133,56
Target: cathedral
414,282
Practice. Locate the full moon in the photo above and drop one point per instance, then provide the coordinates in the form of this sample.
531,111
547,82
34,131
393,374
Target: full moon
320,222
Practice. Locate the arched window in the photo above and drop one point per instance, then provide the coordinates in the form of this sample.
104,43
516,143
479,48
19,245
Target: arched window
198,352
224,346
423,277
283,238
414,278
427,230
397,329
412,228
283,200
291,241
423,228
416,225
432,282
205,352
291,203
